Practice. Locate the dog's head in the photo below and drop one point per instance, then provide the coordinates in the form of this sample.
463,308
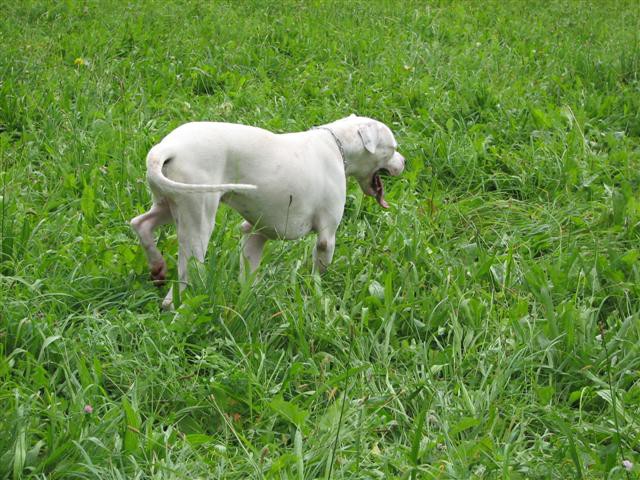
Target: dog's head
370,150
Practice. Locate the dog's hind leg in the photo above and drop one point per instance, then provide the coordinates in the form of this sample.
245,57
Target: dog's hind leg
195,216
144,225
252,245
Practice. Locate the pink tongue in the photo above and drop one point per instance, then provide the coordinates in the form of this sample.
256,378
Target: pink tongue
379,189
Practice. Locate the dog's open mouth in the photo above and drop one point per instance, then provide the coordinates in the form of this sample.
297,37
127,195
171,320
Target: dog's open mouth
378,188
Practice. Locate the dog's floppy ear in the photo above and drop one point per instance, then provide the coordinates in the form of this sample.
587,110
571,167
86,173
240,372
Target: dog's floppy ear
369,135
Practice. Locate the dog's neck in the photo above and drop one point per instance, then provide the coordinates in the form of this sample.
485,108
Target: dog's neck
338,143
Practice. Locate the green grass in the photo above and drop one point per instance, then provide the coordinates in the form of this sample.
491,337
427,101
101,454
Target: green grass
457,335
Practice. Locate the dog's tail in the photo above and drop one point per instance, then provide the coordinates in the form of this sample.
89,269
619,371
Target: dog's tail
158,156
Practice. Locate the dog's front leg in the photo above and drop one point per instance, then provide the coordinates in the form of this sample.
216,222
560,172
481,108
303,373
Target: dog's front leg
252,245
323,250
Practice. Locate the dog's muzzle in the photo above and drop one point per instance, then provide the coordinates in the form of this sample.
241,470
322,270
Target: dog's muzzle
393,168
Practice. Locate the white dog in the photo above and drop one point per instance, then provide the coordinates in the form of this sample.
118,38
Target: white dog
284,185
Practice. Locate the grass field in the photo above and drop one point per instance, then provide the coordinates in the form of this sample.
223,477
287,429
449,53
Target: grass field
486,326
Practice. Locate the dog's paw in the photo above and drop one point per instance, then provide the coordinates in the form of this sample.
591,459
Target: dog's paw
167,306
158,273
167,303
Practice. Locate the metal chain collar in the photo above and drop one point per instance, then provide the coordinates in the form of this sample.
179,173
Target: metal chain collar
338,143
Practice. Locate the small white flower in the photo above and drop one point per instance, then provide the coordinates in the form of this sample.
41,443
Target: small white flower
627,465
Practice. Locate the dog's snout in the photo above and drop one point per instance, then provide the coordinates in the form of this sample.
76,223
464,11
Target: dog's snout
397,164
